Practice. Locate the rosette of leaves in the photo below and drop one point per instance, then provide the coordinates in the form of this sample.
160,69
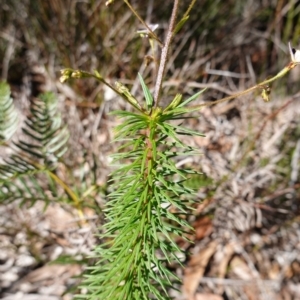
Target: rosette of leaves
28,174
147,208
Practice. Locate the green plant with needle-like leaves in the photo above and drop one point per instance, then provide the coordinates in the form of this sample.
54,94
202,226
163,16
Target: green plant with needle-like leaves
150,201
147,208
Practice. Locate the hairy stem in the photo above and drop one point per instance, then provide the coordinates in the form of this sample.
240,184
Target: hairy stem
164,54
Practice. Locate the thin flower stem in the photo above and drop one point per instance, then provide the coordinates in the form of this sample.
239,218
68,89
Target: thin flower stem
164,54
151,33
284,71
101,79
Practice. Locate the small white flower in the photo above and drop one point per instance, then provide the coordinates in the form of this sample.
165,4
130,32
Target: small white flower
145,32
295,54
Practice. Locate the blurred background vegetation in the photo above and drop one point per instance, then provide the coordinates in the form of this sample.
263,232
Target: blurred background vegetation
88,35
226,46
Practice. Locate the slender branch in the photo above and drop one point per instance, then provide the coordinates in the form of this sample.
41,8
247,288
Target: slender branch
69,191
289,67
59,181
151,33
164,54
121,90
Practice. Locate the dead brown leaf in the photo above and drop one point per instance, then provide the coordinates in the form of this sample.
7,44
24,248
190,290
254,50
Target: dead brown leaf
203,227
196,268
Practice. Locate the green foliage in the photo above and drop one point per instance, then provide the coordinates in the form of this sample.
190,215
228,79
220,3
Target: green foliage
27,174
151,197
197,181
44,128
8,113
147,208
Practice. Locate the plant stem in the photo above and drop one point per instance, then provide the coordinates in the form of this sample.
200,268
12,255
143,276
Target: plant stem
186,14
285,70
69,191
164,54
60,182
151,33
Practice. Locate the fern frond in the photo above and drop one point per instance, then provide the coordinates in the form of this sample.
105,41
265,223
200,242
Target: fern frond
25,174
47,137
8,113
